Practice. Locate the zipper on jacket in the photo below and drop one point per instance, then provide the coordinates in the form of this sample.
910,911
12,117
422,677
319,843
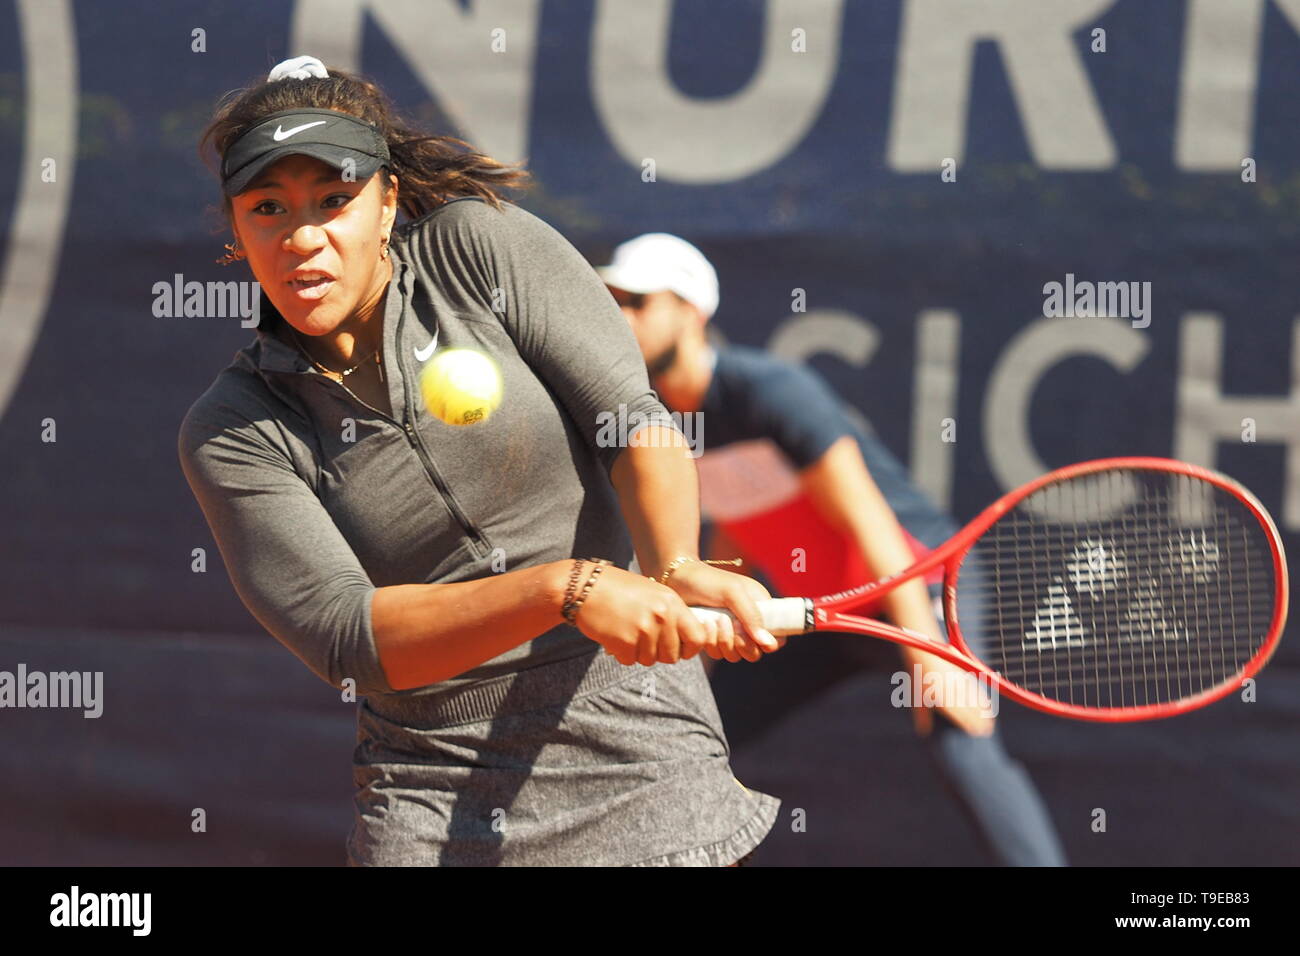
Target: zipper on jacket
476,537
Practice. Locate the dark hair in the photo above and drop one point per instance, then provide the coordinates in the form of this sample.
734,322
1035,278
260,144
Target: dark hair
430,170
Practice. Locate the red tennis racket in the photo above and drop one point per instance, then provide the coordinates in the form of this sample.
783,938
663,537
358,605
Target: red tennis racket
1113,590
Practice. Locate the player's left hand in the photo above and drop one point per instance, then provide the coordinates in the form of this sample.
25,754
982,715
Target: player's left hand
703,585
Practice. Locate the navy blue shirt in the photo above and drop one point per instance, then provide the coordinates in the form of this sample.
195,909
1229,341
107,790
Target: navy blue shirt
764,419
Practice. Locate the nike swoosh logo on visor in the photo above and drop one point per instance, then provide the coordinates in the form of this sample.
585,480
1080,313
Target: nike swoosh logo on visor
281,133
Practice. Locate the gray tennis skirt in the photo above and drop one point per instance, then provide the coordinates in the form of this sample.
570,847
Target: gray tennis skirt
584,762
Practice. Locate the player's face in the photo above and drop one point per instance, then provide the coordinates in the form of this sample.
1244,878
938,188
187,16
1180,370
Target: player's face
657,319
301,214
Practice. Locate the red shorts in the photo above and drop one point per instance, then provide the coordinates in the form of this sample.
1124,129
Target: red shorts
829,562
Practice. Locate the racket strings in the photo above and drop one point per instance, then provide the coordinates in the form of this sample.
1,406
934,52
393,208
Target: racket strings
1123,588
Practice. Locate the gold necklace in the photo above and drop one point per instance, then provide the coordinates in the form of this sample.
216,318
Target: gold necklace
376,355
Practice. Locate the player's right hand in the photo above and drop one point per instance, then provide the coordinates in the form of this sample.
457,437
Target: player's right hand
640,621
740,634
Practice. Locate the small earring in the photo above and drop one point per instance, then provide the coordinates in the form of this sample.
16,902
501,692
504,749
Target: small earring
383,248
233,254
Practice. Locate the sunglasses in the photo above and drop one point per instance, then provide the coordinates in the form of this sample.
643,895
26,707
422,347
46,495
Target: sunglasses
635,300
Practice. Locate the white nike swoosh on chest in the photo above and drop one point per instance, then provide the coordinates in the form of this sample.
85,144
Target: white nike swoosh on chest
422,355
282,133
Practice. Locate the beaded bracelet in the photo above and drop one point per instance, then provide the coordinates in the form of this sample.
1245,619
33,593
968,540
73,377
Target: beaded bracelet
572,589
572,606
587,587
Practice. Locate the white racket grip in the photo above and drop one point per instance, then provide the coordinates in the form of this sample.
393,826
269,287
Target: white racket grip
781,616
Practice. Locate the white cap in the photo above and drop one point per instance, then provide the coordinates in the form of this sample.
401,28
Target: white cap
657,261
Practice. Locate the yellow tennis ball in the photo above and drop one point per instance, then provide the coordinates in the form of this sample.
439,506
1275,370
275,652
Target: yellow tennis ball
461,386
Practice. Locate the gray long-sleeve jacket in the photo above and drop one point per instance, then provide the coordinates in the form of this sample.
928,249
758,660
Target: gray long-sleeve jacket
311,518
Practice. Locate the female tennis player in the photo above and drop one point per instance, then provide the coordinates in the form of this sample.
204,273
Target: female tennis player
463,581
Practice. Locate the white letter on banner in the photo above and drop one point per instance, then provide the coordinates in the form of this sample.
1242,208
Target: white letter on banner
446,45
1062,120
1216,92
29,267
934,401
719,139
1024,362
1206,416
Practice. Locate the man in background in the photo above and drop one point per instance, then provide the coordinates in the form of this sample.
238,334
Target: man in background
789,484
